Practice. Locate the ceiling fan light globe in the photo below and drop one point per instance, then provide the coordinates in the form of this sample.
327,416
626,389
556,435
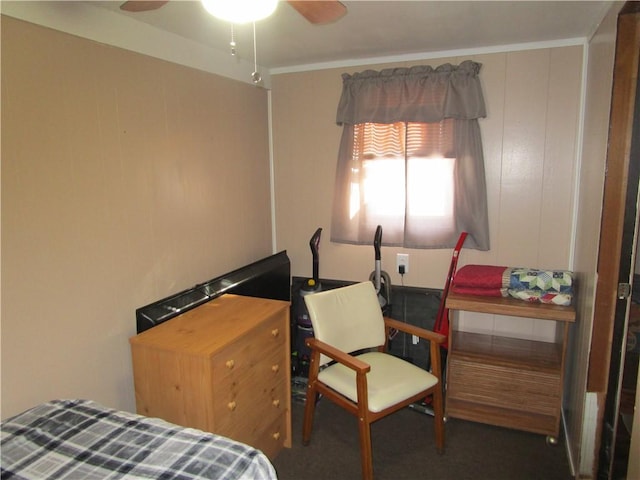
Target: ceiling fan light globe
240,11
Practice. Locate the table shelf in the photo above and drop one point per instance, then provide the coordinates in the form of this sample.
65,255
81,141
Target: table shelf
504,381
510,306
507,351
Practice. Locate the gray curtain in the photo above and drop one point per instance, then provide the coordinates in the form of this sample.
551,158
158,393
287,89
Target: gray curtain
420,94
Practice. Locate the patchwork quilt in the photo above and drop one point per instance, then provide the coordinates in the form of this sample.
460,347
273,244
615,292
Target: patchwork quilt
545,286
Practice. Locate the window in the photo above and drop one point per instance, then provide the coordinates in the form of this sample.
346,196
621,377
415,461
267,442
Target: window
422,181
407,169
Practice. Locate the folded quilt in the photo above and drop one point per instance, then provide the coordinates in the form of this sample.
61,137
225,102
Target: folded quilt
552,298
545,286
560,281
482,291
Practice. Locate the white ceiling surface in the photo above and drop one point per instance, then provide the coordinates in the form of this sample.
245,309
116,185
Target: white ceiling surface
372,32
373,29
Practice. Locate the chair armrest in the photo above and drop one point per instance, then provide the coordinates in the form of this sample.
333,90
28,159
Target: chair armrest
338,355
415,330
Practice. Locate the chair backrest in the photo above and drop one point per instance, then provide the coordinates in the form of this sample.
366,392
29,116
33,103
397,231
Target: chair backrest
348,318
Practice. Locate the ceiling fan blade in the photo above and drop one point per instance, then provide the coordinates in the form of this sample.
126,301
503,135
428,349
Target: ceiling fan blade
142,5
319,12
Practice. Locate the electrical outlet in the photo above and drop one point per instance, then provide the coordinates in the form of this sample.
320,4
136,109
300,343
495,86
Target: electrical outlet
415,339
402,263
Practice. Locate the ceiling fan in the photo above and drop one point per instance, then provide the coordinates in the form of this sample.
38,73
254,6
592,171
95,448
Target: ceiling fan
316,12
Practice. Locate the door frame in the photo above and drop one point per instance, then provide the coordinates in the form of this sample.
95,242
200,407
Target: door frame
610,311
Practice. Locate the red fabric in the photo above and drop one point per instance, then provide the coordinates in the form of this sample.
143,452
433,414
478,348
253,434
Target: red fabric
485,292
478,277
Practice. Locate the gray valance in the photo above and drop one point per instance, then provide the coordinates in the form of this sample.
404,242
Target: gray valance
414,94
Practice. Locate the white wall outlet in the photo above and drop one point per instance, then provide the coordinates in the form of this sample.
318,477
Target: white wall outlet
402,263
415,339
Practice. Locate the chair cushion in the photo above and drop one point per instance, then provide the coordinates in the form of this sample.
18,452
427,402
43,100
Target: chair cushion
390,380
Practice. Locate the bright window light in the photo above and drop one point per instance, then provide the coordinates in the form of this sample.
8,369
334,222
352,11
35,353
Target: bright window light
428,189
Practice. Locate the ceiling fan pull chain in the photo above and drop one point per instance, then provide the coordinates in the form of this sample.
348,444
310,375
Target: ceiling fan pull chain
255,76
232,43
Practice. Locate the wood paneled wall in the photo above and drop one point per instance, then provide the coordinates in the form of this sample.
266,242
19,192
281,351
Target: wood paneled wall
530,145
124,179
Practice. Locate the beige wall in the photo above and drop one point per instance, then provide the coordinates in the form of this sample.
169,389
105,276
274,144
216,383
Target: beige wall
124,179
116,192
529,137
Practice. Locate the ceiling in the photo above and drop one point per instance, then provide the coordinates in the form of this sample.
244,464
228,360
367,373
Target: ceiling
377,29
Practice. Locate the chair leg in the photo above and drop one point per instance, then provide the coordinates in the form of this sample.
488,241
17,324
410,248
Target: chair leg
365,449
309,411
438,416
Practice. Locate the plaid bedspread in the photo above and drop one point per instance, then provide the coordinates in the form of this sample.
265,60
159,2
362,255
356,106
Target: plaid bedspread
80,439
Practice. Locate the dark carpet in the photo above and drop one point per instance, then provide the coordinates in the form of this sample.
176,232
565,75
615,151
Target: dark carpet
403,448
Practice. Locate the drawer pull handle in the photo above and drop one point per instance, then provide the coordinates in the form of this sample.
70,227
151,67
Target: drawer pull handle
232,406
276,435
230,364
275,368
275,332
276,403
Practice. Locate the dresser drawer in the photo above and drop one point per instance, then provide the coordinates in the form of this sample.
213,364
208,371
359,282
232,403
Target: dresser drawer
274,437
501,386
250,381
265,341
250,408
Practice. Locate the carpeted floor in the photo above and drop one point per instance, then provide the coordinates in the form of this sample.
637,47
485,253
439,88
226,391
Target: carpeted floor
403,449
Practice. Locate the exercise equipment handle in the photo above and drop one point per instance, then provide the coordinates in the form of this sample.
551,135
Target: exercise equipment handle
314,243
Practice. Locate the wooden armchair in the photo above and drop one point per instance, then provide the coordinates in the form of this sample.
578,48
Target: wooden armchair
350,336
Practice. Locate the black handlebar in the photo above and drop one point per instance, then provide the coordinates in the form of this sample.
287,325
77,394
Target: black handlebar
377,241
314,243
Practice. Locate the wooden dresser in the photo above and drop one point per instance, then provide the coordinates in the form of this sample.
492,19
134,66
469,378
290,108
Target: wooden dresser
505,381
223,367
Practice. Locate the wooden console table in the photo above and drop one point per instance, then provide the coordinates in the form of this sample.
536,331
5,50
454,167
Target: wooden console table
505,381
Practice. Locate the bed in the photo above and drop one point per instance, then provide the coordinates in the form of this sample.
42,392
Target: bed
81,439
